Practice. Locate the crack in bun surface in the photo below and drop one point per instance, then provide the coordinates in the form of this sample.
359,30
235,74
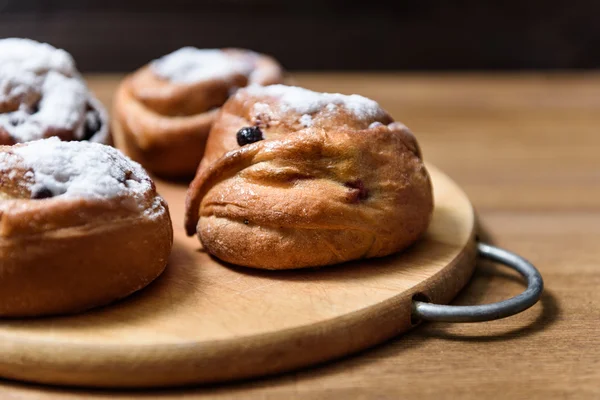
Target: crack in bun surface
80,226
333,179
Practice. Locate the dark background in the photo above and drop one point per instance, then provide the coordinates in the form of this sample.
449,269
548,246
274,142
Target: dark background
113,35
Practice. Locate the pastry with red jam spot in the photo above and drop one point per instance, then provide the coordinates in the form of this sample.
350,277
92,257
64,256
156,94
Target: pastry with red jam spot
331,178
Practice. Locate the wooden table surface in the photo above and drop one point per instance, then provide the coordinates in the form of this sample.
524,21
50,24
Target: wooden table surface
526,149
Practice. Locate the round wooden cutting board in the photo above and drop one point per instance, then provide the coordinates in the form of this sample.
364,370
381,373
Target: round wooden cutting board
205,321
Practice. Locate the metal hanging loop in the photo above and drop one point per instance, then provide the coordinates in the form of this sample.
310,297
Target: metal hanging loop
488,312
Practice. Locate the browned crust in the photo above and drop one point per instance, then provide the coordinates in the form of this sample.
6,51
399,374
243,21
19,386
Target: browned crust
73,269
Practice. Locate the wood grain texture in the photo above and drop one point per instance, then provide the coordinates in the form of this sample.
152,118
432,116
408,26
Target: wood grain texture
204,321
525,150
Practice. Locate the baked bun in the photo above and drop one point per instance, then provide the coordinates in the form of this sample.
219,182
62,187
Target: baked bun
164,111
80,226
42,95
293,178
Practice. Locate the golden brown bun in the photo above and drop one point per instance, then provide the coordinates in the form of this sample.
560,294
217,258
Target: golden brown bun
65,253
163,124
42,95
337,186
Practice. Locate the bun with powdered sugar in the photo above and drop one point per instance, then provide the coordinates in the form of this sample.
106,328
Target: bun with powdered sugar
81,225
42,95
293,178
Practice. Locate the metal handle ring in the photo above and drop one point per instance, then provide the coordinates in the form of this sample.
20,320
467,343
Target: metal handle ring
488,312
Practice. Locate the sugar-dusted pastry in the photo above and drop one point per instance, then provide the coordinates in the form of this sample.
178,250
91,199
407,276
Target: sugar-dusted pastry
81,225
164,111
293,178
42,95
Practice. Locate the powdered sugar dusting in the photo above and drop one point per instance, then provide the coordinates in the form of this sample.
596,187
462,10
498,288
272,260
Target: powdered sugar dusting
306,102
189,65
261,108
80,170
61,108
306,120
39,58
41,92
